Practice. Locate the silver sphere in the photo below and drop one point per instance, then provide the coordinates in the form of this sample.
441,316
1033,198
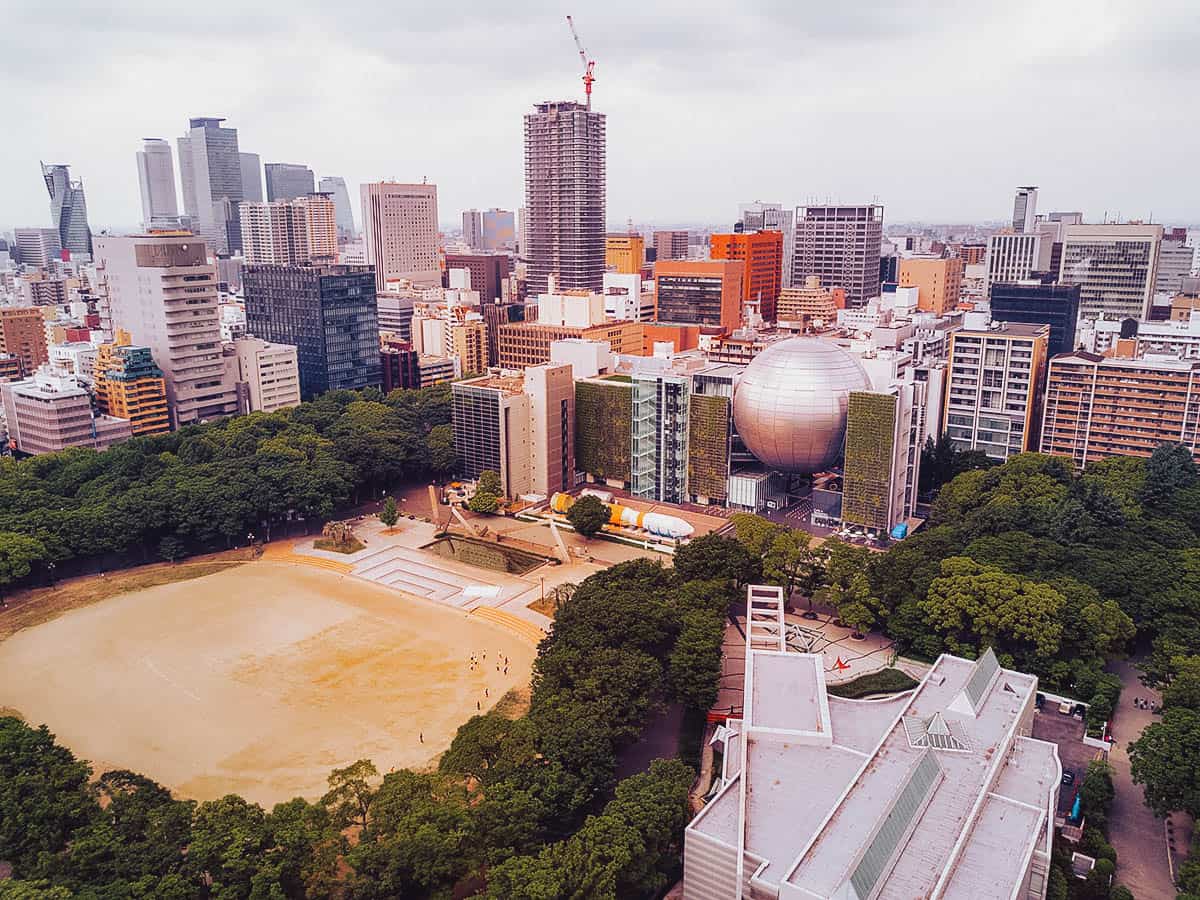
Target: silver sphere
790,403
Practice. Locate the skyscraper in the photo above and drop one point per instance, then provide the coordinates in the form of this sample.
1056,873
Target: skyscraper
762,251
758,216
163,291
335,186
37,246
400,223
499,229
1114,265
1025,208
565,196
289,232
287,181
156,179
841,245
327,312
252,177
1011,257
210,168
68,209
472,228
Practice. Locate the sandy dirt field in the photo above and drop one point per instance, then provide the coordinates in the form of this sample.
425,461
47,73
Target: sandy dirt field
258,680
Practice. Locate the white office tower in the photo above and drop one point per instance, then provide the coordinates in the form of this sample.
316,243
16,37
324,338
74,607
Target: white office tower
400,228
335,186
1011,257
156,179
163,291
759,216
1115,267
1025,208
210,169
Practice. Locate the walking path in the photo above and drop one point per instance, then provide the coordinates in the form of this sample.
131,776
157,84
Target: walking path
1138,835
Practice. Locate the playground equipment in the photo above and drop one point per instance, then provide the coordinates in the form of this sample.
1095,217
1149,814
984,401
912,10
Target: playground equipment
655,523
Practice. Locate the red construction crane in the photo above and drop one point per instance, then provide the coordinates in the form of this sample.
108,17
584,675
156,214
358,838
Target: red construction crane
588,64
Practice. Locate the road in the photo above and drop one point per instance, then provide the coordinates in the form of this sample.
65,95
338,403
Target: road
1136,833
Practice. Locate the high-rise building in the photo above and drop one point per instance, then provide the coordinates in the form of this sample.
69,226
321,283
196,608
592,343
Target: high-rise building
842,245
705,292
499,232
210,169
128,385
472,228
659,456
1114,266
625,254
489,272
394,314
1099,406
670,245
1174,263
1011,258
252,177
335,186
23,334
287,181
270,372
48,413
1025,209
156,179
521,427
401,366
37,246
883,456
938,282
327,312
995,386
400,222
1040,303
289,232
68,209
927,793
564,196
762,253
162,290
759,216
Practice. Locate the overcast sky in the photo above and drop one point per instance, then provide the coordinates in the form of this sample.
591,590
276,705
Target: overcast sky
936,109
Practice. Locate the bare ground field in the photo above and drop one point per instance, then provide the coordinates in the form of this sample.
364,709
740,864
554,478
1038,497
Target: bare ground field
257,679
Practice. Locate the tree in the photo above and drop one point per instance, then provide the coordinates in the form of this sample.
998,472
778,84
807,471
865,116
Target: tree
350,794
1183,691
170,548
229,840
694,668
1165,760
18,553
854,604
791,563
484,503
755,533
489,481
976,606
715,557
389,515
1169,469
441,454
588,515
44,794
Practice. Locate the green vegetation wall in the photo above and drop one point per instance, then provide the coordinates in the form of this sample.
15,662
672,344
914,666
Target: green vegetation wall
708,446
603,420
870,438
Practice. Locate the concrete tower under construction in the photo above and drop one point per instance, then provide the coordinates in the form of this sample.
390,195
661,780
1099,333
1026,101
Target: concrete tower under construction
564,196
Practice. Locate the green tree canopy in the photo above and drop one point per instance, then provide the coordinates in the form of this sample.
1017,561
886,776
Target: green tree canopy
588,515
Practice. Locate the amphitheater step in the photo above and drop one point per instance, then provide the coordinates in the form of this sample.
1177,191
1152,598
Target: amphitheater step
512,622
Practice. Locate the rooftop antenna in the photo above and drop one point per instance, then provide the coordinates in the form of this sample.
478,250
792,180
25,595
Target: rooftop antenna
589,65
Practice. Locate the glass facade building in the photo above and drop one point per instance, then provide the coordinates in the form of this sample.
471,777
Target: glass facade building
327,312
1056,305
660,437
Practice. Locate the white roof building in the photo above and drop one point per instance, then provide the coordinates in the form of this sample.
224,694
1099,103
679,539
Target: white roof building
938,792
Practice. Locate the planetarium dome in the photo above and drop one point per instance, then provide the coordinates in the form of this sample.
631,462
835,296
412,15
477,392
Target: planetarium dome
790,403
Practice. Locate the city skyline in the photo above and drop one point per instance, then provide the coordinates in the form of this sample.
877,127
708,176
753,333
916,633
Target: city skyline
1004,84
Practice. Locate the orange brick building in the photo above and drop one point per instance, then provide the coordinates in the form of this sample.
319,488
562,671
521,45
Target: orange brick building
938,280
700,292
762,252
683,337
23,334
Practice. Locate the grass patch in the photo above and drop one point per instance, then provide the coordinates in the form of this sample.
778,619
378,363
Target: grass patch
885,681
351,546
513,704
38,605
